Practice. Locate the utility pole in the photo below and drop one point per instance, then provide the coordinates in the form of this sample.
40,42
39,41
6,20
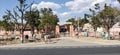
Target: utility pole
15,23
78,22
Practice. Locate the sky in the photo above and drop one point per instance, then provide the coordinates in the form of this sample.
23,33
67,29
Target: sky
65,9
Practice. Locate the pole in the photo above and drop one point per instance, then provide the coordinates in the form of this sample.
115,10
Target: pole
78,23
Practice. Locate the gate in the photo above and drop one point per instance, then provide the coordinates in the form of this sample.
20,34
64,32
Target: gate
64,31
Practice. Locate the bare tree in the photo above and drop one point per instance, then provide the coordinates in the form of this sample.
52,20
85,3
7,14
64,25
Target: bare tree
18,15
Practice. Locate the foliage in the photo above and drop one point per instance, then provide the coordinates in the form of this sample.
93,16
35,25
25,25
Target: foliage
118,1
83,20
33,18
79,22
17,16
6,23
95,20
72,20
48,19
107,16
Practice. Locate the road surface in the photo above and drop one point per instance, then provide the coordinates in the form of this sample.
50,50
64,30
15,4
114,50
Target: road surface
63,51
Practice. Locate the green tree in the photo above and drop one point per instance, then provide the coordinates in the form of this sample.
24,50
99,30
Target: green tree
1,24
118,1
33,19
72,20
48,19
6,23
108,16
95,22
83,21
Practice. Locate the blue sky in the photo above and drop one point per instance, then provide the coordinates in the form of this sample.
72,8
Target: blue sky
65,9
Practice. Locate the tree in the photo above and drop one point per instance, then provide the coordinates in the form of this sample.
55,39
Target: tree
108,16
22,9
95,22
33,19
6,23
118,1
1,24
19,12
83,21
12,17
48,19
72,20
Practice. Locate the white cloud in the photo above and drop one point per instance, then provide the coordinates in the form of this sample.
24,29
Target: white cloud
79,7
65,14
34,6
98,1
76,7
55,12
46,5
78,4
84,5
62,15
116,3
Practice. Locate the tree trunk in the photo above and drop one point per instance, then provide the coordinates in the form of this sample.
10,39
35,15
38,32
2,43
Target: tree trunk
37,29
32,31
108,32
82,28
95,30
46,29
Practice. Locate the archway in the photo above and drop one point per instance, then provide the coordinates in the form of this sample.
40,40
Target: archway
64,30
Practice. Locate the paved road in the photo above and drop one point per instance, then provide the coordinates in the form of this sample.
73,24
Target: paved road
63,51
